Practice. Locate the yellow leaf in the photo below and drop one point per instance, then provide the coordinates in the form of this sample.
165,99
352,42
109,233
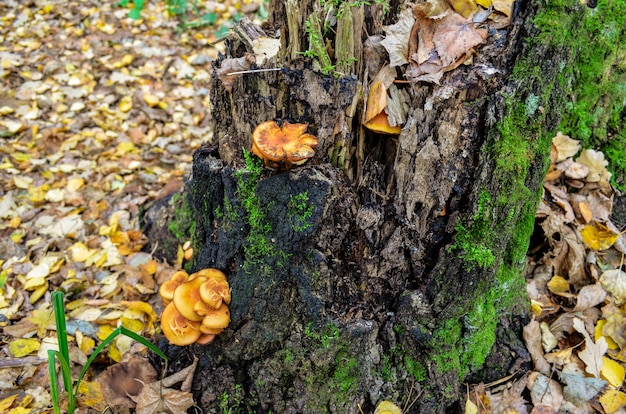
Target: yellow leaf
151,266
612,371
598,237
90,394
558,284
132,324
38,293
485,3
33,283
142,307
612,401
150,99
42,317
104,332
470,407
386,407
126,104
125,147
79,252
7,403
21,347
15,222
464,7
180,255
74,184
598,334
85,343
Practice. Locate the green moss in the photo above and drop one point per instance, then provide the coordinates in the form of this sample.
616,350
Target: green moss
596,108
184,225
474,241
415,368
260,253
300,211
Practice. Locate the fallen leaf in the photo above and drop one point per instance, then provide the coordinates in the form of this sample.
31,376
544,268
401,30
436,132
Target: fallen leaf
612,400
155,399
614,281
455,37
594,160
387,407
19,348
593,352
396,39
532,339
589,296
578,389
565,146
598,236
612,371
544,391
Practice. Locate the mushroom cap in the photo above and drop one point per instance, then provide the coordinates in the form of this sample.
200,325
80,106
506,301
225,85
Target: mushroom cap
178,329
166,291
213,292
216,320
287,143
380,124
209,273
206,339
186,296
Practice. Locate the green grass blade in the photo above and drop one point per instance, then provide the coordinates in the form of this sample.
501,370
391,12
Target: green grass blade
66,373
59,318
54,381
119,331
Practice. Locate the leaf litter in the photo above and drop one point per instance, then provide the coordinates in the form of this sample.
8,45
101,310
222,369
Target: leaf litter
99,117
577,286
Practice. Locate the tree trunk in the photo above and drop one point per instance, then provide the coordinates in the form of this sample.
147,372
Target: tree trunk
387,267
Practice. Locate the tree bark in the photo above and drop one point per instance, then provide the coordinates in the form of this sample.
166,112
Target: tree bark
386,268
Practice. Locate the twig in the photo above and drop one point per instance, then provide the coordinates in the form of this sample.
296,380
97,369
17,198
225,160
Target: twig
20,362
241,72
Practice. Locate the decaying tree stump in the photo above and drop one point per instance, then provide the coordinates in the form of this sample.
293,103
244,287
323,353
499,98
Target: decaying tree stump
385,264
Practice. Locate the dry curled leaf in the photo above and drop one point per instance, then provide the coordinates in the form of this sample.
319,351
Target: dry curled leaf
594,160
565,146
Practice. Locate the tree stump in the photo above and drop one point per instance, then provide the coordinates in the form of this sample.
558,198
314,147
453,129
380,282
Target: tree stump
385,266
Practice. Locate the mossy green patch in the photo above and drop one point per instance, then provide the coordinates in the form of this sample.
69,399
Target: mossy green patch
597,106
300,211
474,240
260,253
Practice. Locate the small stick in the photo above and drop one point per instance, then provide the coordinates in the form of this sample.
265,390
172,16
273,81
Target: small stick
20,362
241,72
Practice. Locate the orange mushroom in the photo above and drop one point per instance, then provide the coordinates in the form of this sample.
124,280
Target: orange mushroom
178,329
213,292
167,289
186,296
216,320
201,296
283,146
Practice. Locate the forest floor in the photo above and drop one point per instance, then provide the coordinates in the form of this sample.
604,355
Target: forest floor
99,117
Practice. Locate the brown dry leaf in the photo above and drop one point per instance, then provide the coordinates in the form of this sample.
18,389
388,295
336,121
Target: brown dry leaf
594,160
510,400
532,339
396,40
565,146
125,380
155,400
455,37
225,71
589,296
545,391
614,281
593,352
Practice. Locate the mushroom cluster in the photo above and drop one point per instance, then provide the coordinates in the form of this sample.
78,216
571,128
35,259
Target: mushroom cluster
196,306
282,146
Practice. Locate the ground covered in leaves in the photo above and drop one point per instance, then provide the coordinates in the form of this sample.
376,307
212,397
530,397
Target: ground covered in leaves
99,117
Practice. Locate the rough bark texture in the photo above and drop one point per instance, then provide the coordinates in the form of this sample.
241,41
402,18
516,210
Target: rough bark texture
384,264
